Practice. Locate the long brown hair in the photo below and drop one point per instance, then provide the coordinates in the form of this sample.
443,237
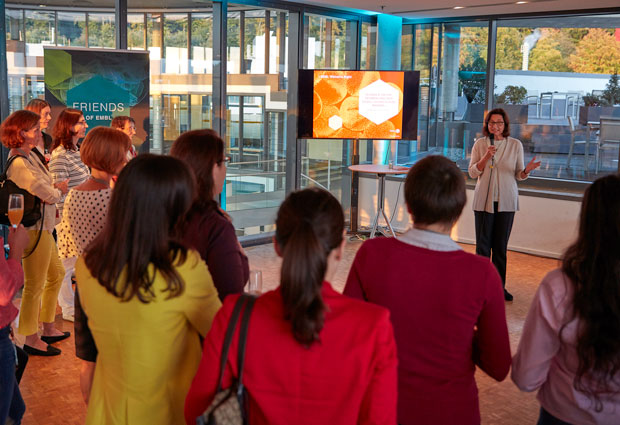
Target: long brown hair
201,150
63,129
592,265
309,226
151,197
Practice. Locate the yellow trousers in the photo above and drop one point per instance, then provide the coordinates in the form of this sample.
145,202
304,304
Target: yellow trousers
43,274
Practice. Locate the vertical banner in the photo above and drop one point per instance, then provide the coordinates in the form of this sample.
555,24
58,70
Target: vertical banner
101,83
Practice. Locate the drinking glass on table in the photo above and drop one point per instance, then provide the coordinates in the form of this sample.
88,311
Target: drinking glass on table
16,208
255,284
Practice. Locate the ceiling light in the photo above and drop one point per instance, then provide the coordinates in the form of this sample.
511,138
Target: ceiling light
458,7
521,2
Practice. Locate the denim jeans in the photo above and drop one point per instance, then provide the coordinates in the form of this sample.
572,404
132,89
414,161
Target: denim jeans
11,402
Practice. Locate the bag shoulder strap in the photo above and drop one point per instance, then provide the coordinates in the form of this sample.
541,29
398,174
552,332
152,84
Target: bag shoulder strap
230,330
8,164
243,333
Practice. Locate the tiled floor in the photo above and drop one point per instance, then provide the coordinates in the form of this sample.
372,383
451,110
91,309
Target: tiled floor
51,385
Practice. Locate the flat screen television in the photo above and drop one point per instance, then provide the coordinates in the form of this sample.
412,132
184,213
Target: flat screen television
358,104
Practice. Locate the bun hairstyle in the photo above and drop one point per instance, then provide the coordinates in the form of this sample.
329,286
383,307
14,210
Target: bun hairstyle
309,226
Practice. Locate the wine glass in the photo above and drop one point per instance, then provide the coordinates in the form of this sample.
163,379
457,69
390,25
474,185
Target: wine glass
16,208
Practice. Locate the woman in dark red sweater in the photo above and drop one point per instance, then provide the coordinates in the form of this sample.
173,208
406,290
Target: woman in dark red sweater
209,230
313,356
447,306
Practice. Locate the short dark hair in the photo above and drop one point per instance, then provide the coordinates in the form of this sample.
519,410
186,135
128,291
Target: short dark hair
435,191
120,121
496,111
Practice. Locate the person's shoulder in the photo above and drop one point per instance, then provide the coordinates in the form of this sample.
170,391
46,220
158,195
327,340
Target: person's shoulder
555,286
362,312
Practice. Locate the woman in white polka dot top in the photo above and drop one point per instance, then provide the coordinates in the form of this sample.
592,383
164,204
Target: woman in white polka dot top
105,151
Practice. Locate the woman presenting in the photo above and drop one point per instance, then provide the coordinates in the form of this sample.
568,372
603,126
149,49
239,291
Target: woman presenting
497,163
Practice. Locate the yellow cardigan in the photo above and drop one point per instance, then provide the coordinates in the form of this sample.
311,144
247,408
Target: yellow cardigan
148,353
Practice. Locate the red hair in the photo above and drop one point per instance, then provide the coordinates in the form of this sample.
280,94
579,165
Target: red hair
11,128
63,129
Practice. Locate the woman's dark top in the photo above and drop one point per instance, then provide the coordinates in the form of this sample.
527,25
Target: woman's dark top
210,233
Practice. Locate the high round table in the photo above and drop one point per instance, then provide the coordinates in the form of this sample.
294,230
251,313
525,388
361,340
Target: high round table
381,171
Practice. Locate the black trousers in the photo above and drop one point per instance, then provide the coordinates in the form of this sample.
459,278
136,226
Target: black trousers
492,233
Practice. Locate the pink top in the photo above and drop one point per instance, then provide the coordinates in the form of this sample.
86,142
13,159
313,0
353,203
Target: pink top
11,279
542,362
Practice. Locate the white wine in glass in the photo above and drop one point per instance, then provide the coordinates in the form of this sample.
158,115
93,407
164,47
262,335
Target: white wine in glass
16,208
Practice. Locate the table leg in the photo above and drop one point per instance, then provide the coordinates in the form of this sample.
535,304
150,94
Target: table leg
380,188
381,208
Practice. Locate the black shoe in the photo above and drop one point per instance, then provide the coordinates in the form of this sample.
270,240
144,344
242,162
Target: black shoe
53,339
51,351
507,296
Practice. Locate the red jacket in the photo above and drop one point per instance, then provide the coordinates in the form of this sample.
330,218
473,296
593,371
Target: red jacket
436,301
349,377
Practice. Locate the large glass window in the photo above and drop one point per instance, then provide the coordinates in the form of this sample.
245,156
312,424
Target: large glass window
101,30
328,44
452,61
256,115
71,29
554,77
136,34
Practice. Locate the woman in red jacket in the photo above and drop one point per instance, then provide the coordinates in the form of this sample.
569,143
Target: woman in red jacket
313,356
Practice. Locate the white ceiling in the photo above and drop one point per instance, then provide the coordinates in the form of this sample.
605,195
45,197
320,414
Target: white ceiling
417,9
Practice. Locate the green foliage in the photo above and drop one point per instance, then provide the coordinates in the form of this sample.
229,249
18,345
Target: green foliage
598,52
202,32
512,95
508,47
472,80
591,100
611,95
474,42
552,51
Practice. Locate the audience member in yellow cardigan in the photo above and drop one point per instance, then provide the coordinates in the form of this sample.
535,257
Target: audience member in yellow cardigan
147,298
43,271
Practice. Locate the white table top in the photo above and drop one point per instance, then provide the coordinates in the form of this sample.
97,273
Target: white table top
378,169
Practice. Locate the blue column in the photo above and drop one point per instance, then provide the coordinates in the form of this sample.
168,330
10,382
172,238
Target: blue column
389,36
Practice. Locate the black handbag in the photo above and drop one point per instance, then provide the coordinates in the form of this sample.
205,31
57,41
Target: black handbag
229,405
32,204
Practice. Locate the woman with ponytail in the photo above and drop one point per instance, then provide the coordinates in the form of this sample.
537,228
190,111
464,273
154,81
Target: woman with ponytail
570,345
312,355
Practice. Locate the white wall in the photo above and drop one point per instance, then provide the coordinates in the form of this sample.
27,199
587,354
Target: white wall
543,226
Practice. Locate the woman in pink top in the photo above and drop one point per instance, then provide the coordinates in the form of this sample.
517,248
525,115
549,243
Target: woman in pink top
11,280
570,346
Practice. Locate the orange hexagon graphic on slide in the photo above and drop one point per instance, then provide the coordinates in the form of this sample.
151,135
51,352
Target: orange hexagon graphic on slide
358,104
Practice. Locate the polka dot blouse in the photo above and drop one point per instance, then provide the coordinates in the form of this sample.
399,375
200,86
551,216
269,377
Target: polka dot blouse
83,218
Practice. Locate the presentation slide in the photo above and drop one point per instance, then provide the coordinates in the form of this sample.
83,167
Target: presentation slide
358,104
